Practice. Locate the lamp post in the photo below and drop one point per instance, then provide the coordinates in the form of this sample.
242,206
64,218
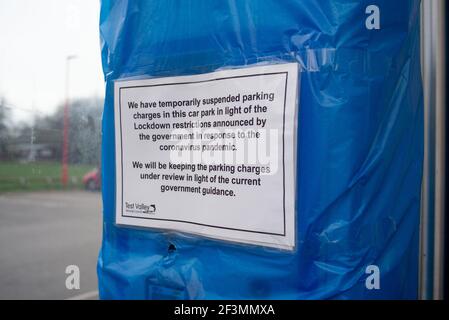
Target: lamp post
65,138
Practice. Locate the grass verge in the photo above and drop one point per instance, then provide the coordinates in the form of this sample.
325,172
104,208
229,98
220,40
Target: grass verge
35,176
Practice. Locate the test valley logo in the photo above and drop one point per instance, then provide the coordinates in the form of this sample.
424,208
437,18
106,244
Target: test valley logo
140,208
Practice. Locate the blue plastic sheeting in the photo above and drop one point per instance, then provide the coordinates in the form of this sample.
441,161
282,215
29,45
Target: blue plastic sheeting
360,147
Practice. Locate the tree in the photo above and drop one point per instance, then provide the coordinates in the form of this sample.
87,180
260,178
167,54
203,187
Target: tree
84,131
4,129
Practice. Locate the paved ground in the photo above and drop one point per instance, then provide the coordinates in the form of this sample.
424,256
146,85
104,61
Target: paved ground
41,233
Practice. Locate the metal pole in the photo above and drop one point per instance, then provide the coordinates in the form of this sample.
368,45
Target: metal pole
433,186
440,156
65,139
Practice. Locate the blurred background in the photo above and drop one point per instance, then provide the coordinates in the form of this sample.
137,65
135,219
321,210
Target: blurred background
51,100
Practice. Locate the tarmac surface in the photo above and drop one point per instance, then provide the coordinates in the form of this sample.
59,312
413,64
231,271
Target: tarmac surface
41,233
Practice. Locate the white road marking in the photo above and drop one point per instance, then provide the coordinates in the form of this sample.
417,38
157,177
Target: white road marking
85,296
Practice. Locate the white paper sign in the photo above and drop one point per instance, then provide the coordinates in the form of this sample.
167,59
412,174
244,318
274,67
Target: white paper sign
211,154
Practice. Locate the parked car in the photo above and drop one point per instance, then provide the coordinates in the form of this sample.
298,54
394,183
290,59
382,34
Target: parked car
92,180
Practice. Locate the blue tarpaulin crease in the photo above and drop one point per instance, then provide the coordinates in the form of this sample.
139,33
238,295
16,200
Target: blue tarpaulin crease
359,155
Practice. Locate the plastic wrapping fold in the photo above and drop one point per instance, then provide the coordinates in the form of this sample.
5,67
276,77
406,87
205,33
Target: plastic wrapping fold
359,147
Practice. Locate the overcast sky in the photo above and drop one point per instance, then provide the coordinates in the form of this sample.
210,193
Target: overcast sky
35,38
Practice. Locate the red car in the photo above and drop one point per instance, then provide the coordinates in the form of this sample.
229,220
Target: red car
92,180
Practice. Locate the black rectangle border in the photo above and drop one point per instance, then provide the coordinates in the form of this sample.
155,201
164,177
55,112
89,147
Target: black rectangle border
196,223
